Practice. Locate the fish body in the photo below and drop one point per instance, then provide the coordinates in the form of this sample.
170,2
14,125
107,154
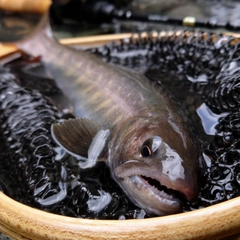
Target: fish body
125,120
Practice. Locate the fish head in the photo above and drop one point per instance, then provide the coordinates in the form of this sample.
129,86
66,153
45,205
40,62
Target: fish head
156,164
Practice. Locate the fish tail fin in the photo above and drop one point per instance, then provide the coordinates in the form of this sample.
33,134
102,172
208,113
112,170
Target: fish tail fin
31,44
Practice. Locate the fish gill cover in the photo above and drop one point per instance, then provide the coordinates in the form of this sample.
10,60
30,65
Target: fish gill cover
36,171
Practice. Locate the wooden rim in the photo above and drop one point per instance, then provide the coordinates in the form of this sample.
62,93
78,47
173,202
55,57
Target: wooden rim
23,222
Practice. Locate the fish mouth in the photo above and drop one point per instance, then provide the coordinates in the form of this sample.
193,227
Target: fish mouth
161,190
143,185
155,198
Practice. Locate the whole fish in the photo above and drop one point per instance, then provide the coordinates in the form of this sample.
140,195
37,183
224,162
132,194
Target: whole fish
125,120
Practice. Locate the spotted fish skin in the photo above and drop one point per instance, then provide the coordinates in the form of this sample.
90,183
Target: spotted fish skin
28,150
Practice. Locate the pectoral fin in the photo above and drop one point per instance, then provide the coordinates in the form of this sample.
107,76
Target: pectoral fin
82,138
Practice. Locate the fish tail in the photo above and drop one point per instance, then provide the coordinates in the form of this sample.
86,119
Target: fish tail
33,43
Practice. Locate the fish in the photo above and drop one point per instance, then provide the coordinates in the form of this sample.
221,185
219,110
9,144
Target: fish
125,120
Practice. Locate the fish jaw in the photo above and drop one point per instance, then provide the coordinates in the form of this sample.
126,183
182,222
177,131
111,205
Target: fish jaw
151,199
143,184
158,185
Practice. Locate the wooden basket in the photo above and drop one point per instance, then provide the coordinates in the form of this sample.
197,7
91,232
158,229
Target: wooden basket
22,222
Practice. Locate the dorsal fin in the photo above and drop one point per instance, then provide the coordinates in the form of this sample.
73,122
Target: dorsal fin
82,138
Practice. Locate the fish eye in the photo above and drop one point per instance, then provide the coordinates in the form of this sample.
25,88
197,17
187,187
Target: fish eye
151,146
146,151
